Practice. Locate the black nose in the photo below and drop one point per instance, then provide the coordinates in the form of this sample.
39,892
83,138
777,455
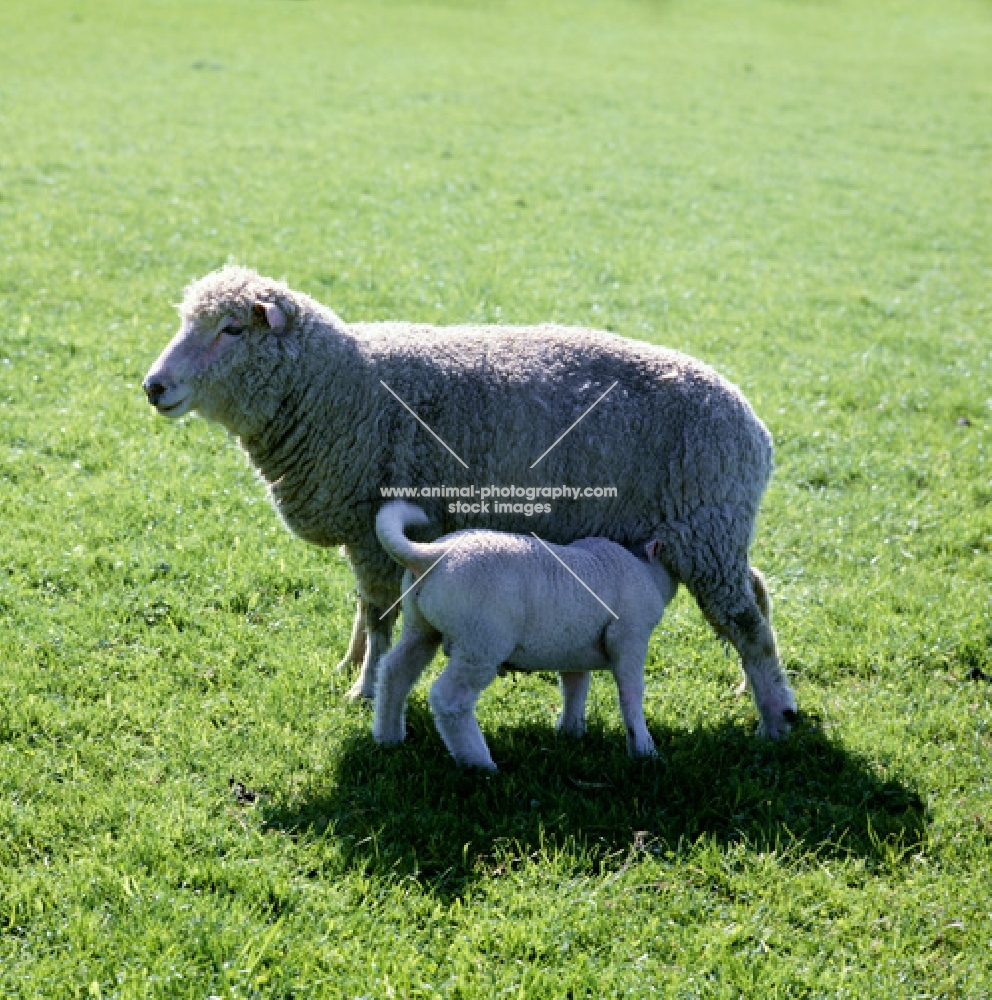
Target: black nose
154,391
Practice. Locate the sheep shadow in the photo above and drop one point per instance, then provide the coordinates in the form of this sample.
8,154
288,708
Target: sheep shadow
409,811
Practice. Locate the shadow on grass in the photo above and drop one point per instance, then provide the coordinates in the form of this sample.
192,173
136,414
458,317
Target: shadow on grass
409,810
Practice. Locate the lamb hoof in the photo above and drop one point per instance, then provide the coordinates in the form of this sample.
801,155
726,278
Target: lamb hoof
573,730
641,749
779,727
484,766
388,739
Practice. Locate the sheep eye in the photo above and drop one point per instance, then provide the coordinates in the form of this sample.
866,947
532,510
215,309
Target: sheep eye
234,331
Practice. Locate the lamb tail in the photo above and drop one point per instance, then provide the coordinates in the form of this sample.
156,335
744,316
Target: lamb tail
390,525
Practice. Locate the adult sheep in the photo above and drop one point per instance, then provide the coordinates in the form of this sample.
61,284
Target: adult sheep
306,395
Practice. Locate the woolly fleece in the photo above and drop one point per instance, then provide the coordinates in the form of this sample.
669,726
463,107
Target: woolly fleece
688,455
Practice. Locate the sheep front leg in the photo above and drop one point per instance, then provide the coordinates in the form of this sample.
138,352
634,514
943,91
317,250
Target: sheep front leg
574,691
356,645
378,580
378,637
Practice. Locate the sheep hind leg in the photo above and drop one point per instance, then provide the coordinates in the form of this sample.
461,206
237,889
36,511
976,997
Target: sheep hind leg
356,645
378,638
740,612
574,692
761,594
627,657
764,600
453,698
398,672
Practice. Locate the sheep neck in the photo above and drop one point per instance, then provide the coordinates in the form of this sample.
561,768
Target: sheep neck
302,451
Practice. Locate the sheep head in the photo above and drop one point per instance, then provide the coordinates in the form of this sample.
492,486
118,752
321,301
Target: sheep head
234,339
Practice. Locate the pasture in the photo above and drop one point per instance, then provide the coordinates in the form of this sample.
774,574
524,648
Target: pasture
798,193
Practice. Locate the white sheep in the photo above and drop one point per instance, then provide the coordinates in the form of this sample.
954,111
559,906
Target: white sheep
306,396
498,600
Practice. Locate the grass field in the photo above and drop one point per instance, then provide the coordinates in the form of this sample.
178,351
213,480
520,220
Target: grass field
796,192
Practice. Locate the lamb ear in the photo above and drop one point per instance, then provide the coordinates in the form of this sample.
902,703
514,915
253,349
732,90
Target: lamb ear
653,550
275,318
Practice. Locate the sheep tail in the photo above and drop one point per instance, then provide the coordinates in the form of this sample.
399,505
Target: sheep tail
390,525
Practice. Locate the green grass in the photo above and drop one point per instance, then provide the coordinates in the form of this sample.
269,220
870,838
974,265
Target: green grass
798,193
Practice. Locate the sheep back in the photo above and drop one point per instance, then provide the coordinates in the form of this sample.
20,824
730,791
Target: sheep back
681,444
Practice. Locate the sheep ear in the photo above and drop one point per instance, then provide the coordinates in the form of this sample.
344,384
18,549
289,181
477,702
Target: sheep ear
653,550
275,318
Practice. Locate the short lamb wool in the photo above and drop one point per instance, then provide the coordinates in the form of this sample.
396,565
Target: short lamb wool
496,599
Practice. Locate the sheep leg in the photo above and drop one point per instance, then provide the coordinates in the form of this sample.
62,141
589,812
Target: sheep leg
356,645
761,594
452,699
764,600
574,691
378,580
398,672
739,610
627,656
378,637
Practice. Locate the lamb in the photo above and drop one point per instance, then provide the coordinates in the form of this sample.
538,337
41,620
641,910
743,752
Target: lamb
498,600
316,404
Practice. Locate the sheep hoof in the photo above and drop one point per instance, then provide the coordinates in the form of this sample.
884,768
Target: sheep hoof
358,693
